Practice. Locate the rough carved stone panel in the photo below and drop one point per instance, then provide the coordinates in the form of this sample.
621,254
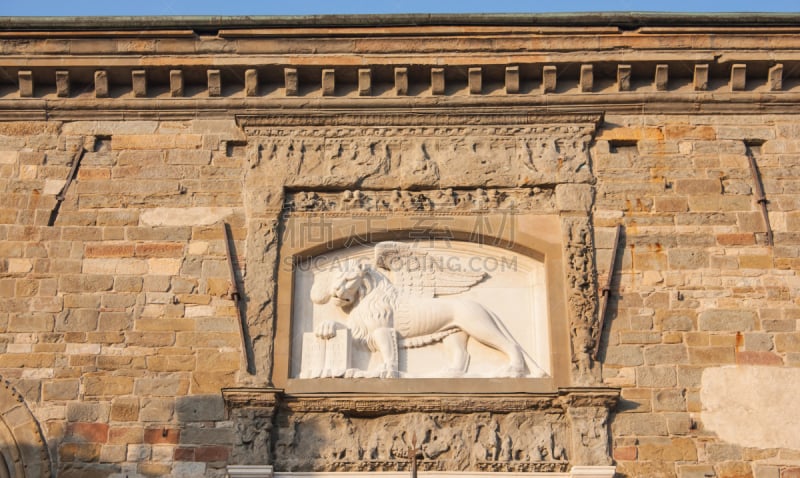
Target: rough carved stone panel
450,200
494,433
454,442
422,151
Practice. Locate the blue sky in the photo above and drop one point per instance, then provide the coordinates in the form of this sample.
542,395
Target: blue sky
308,7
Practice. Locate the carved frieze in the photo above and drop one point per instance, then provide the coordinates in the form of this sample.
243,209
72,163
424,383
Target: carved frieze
447,442
421,151
499,433
436,201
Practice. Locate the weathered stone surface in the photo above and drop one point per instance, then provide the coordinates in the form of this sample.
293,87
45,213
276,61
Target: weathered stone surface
117,327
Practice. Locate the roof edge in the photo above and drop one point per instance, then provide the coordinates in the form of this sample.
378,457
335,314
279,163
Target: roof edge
627,20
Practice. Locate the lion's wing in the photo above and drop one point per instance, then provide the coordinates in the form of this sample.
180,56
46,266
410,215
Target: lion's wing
414,274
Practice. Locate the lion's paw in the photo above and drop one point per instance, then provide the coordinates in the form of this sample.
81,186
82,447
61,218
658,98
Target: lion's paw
326,330
390,374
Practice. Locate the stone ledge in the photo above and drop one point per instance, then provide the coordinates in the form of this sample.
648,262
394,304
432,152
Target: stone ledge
265,471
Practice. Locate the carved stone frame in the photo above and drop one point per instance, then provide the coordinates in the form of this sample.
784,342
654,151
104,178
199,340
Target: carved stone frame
525,238
557,188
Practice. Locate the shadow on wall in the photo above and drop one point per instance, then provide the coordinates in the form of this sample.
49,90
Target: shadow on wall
190,437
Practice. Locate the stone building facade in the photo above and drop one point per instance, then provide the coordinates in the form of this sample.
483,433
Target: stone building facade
170,187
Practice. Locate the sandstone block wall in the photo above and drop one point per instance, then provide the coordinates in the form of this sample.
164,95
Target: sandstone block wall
699,290
118,326
118,329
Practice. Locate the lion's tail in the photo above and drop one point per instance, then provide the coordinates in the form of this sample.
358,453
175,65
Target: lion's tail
415,342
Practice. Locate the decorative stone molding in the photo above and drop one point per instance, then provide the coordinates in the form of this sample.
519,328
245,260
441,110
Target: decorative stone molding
574,472
350,164
252,412
250,471
523,433
438,201
582,297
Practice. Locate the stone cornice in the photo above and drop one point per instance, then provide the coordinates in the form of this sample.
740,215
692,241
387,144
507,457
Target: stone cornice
618,19
224,64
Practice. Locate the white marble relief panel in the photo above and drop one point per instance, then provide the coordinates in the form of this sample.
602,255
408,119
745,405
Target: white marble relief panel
431,309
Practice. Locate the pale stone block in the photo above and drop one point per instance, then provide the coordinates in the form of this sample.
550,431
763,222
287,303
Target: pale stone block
139,83
131,267
251,82
475,80
99,266
574,197
28,171
662,77
738,77
656,377
19,266
512,80
587,78
437,81
291,83
401,81
62,83
138,453
700,77
163,453
25,83
214,82
19,348
364,82
199,311
623,77
328,82
156,410
197,248
164,267
775,78
176,83
83,349
191,216
728,395
549,79
767,471
737,320
101,84
9,157
113,453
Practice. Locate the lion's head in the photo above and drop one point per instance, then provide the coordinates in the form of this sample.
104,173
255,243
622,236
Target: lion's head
346,283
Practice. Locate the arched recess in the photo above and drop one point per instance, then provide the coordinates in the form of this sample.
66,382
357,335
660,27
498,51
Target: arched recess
23,450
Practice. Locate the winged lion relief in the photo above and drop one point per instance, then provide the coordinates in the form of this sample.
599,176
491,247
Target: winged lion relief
393,302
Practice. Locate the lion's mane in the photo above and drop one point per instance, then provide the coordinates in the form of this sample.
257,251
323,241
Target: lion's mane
375,307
